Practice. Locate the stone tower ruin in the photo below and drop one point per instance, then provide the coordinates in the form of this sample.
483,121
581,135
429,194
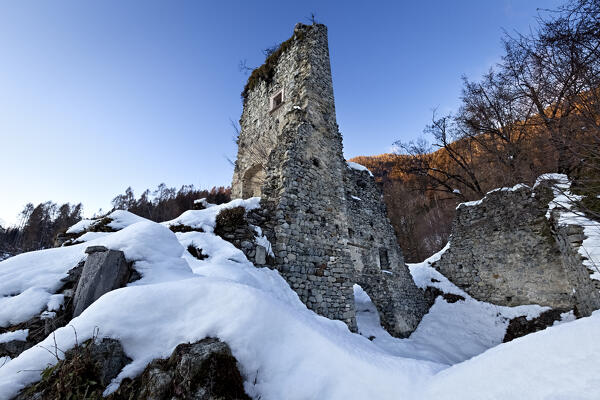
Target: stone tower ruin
324,217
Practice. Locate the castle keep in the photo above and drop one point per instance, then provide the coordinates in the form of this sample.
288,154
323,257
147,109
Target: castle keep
325,218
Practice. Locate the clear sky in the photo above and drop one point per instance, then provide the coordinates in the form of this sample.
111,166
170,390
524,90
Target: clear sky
96,96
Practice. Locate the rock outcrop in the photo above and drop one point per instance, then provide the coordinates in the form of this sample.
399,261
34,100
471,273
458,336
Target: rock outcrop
84,372
104,270
205,370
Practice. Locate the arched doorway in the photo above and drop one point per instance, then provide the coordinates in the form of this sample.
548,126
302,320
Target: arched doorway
253,181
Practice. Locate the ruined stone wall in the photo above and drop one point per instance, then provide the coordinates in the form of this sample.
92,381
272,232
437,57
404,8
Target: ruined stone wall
585,291
504,250
377,259
298,149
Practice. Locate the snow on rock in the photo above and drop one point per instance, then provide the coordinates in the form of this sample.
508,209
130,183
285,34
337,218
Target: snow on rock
122,219
205,219
153,248
19,335
89,236
358,167
119,219
563,203
28,280
225,261
55,302
285,350
263,241
81,226
203,202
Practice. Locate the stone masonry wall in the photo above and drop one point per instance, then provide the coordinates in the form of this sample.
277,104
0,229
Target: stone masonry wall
504,250
377,259
292,157
585,291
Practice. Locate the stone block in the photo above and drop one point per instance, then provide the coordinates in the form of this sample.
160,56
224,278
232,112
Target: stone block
260,258
103,271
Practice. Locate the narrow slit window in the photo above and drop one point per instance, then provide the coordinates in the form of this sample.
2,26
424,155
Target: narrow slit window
276,100
384,261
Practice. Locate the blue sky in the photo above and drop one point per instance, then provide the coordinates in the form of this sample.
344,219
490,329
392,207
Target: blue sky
97,96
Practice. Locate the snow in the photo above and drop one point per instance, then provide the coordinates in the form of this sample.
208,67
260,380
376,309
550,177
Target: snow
120,219
358,167
277,341
205,219
560,362
470,203
56,301
451,332
81,226
88,236
502,189
28,280
47,315
262,240
285,350
19,335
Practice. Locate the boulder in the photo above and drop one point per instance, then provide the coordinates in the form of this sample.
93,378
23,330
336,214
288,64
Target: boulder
103,271
84,373
204,370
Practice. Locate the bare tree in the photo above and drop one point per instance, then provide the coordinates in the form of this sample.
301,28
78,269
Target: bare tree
451,168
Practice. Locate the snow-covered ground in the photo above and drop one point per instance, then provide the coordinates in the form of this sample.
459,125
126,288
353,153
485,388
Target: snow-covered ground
451,332
284,349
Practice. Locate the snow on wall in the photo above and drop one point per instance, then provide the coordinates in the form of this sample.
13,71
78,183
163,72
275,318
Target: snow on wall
358,167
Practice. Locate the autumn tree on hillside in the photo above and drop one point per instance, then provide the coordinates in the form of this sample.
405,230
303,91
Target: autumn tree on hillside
537,111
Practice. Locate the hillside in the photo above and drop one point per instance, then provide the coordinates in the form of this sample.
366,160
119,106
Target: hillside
283,350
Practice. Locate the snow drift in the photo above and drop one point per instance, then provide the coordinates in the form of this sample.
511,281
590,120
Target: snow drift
284,349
